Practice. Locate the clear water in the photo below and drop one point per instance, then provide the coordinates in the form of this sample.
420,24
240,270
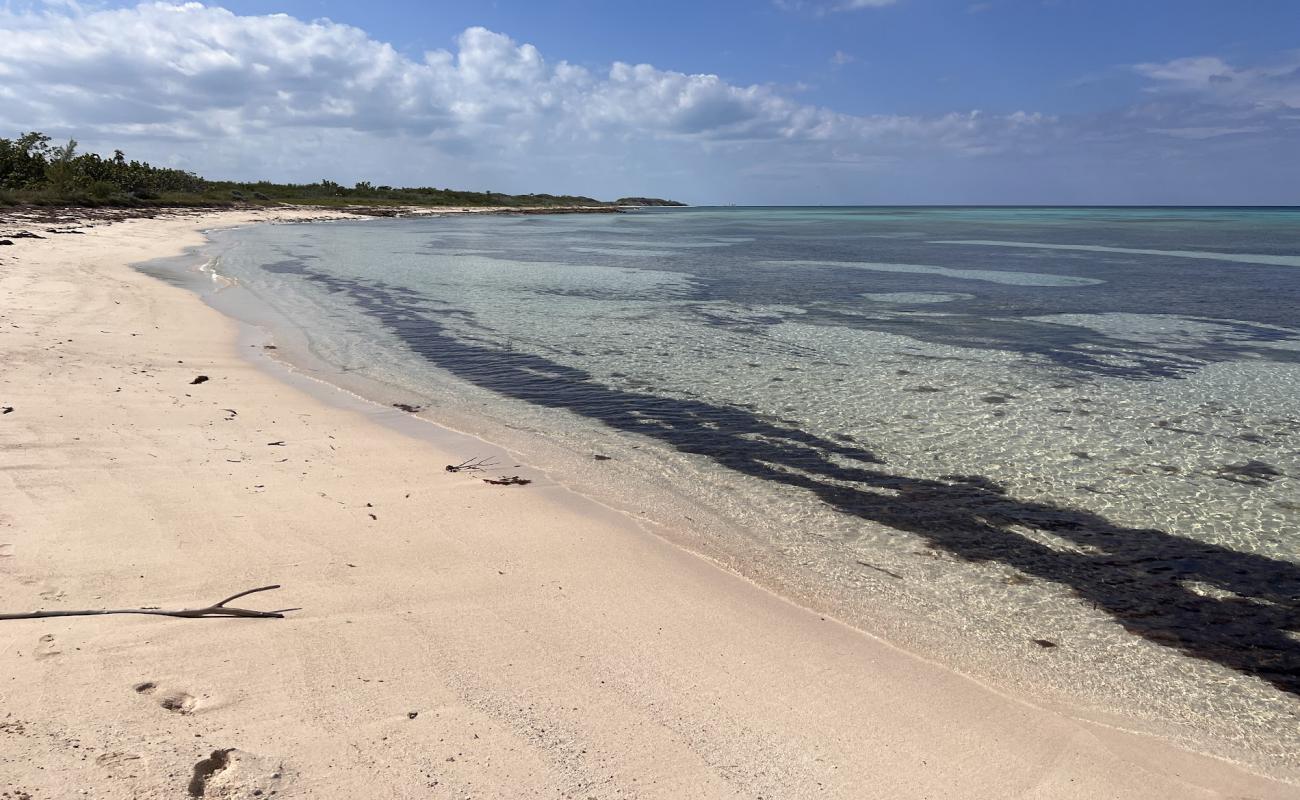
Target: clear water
968,429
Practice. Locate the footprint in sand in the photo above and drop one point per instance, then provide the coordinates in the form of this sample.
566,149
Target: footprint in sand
175,701
46,647
179,702
233,773
112,760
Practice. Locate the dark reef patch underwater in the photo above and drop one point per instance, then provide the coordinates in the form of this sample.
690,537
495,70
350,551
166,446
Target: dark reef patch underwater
991,428
1139,576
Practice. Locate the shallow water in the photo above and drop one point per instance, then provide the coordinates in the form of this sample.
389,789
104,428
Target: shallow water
1078,426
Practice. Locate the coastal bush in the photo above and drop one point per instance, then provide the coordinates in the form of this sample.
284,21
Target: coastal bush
34,171
102,190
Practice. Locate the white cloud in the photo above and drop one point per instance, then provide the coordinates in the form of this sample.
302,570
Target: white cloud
206,81
830,6
1212,79
1205,133
273,96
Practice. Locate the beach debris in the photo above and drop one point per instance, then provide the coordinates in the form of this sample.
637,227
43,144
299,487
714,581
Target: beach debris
600,457
412,714
279,443
1045,643
407,407
218,609
508,480
25,235
471,465
880,569
200,379
232,412
7,410
5,241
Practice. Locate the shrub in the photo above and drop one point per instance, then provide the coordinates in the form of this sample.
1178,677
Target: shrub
102,190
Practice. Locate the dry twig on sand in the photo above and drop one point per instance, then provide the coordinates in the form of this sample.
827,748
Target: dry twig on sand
215,610
471,465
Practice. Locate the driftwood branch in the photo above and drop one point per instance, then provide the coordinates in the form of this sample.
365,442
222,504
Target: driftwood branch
215,610
471,465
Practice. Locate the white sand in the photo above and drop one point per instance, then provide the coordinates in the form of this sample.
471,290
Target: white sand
545,647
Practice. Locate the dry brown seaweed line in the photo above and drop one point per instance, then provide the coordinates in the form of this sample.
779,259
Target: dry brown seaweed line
219,609
508,480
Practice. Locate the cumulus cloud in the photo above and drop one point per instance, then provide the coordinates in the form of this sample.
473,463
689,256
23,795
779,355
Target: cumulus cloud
274,96
190,73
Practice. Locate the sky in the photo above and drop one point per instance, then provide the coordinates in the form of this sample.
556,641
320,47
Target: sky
711,102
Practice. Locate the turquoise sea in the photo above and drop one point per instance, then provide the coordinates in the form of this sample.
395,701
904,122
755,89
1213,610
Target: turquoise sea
1057,448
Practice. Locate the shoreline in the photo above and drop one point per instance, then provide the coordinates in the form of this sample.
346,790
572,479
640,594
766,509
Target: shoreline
1098,670
557,648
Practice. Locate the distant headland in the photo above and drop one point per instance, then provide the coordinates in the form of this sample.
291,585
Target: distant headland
35,172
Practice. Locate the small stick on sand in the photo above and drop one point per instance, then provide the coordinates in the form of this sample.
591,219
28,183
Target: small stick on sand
471,465
215,610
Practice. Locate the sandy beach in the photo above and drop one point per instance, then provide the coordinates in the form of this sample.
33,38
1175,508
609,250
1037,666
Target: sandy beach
452,638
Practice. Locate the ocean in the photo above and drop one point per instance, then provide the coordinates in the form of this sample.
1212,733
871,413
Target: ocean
1057,448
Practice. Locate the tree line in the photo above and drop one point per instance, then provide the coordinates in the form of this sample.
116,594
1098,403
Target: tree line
34,170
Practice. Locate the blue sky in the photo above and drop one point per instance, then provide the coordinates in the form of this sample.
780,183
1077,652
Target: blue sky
913,56
767,101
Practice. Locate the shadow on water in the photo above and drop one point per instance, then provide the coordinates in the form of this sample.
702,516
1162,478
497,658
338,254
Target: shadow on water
1150,581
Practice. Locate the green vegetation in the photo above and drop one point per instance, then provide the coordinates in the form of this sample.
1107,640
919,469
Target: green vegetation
645,201
35,172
